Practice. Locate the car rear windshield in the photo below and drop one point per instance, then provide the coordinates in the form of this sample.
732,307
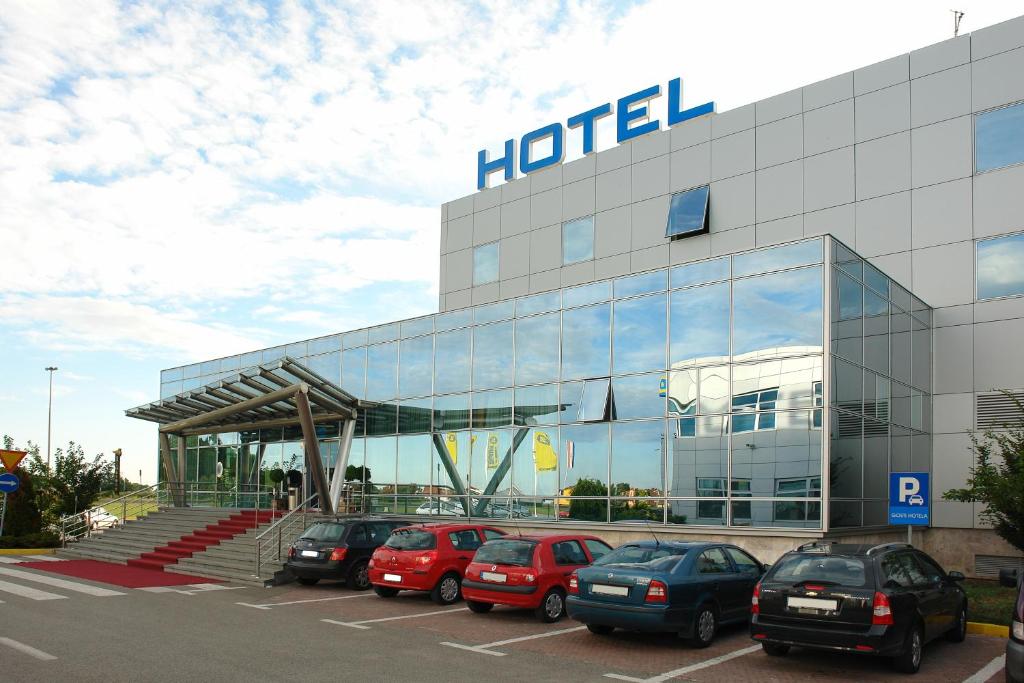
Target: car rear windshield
411,539
830,571
654,559
328,532
513,552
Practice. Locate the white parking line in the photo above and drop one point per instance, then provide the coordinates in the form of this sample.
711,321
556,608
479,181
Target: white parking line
485,649
11,559
687,669
988,671
27,649
191,588
59,583
359,624
30,593
42,558
268,605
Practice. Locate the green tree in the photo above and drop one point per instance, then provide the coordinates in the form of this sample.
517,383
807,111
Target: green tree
75,481
23,516
997,480
595,510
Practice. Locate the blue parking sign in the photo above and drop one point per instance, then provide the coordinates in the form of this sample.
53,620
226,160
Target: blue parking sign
909,499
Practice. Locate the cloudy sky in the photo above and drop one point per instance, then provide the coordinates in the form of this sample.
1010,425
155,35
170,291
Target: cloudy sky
186,180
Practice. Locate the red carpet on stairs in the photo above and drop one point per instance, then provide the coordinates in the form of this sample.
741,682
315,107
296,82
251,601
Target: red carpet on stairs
116,574
201,539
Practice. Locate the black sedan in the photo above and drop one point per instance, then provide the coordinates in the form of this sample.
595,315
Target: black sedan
339,549
686,588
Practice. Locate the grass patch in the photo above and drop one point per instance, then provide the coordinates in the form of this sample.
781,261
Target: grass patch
988,602
135,507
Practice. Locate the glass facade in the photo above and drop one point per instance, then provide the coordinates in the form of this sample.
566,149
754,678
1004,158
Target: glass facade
694,395
578,240
999,267
485,263
688,213
999,138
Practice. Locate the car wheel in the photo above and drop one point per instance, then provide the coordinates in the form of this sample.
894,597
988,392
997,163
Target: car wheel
909,661
600,629
704,626
385,591
552,607
958,633
309,582
775,650
448,590
359,576
479,607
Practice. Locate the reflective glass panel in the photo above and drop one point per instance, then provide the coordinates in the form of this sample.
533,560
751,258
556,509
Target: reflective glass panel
586,342
452,361
682,392
383,333
699,325
638,458
777,384
380,465
351,340
851,297
876,280
451,412
578,240
586,294
700,272
846,454
492,353
453,319
416,366
1001,266
776,258
327,365
999,138
417,326
594,405
537,349
699,451
638,396
323,345
539,303
492,408
381,419
640,284
353,372
414,416
297,350
714,390
537,405
688,212
585,472
490,469
485,263
777,314
382,371
234,362
454,454
535,465
490,313
639,334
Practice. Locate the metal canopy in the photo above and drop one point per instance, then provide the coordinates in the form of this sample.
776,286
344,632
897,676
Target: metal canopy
276,394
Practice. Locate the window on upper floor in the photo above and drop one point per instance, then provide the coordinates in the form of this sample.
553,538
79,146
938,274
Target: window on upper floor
578,240
1001,267
999,137
688,213
485,263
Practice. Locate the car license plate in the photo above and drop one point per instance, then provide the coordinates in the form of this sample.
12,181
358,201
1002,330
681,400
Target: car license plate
310,553
609,590
812,603
393,577
491,576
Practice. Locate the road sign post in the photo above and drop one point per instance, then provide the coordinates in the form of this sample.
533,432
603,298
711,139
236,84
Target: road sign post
909,500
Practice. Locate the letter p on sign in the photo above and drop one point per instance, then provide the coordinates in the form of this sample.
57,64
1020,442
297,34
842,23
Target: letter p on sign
908,487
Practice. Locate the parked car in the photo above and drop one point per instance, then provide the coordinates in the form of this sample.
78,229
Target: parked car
886,600
339,549
1014,578
441,507
685,587
531,572
99,518
428,557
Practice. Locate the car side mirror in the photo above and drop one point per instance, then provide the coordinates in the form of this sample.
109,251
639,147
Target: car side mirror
956,576
1009,577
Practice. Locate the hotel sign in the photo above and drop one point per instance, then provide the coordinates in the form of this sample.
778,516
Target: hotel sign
632,119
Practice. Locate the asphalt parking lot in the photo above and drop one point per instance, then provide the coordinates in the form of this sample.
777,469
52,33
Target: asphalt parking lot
223,633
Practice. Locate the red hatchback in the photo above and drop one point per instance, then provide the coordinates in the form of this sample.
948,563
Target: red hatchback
528,571
431,557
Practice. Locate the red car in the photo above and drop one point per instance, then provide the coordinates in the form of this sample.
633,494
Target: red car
528,571
431,557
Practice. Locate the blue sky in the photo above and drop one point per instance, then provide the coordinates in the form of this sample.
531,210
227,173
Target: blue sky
186,180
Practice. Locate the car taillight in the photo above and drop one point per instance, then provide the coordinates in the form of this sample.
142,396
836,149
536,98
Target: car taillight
574,584
881,612
291,552
755,607
338,553
426,559
657,592
813,587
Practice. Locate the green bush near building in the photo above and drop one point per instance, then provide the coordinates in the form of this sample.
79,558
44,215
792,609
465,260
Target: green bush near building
988,602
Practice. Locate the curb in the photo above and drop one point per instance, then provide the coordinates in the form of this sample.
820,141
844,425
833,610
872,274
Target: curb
988,629
27,551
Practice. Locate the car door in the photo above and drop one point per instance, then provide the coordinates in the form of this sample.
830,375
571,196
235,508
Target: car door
569,556
464,543
947,601
928,596
748,570
721,580
358,543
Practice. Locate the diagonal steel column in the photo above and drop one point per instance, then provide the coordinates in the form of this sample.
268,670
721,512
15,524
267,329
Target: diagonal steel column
341,464
503,468
314,465
170,475
453,473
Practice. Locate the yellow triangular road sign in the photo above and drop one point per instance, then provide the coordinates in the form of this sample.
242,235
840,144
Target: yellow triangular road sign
10,459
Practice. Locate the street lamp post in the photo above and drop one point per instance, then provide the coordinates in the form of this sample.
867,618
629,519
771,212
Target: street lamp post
49,418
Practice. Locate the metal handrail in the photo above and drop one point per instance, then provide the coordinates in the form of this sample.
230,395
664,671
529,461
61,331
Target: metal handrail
79,524
276,531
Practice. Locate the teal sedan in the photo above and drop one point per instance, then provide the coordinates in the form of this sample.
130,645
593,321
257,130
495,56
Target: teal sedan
682,587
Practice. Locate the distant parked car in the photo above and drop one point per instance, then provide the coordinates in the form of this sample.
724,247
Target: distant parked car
886,600
531,572
684,587
339,549
441,507
98,518
428,557
1014,578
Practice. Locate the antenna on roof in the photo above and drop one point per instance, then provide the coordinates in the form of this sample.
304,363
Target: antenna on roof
657,543
957,17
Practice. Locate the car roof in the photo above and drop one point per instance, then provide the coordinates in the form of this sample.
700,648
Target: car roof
684,545
551,538
850,549
444,526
